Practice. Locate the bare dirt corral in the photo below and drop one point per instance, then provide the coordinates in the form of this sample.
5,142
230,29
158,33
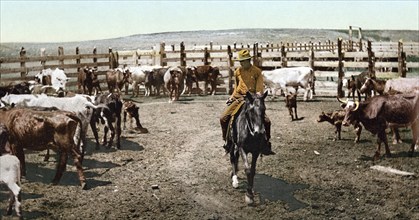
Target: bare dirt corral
179,171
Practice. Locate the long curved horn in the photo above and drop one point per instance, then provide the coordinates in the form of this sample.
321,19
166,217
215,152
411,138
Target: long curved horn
356,106
341,101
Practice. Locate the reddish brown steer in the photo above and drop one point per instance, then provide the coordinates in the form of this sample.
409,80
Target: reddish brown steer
36,130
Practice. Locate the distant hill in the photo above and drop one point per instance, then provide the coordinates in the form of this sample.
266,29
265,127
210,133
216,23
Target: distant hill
202,37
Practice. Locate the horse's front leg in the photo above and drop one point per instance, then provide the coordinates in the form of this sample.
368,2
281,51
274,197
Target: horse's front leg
234,159
250,174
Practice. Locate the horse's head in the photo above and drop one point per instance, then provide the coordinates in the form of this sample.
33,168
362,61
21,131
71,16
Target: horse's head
255,113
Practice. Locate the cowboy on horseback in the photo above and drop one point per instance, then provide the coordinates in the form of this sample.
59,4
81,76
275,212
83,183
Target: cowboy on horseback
248,78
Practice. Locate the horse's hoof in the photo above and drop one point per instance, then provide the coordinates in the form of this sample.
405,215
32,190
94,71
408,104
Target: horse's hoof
235,182
249,199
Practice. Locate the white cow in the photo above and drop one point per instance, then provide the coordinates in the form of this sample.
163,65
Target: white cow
138,74
58,78
78,104
10,175
290,77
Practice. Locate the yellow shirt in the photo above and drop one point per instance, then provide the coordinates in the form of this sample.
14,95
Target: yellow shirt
247,80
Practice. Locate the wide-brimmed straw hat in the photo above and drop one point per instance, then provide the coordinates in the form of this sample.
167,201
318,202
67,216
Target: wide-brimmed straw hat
243,55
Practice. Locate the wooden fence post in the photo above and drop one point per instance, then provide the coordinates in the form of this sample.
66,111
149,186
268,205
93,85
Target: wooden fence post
340,92
113,59
22,54
95,58
78,59
283,57
371,61
182,54
207,56
401,60
61,53
43,54
311,58
162,54
230,70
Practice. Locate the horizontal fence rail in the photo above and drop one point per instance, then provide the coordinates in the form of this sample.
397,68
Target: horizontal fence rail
329,59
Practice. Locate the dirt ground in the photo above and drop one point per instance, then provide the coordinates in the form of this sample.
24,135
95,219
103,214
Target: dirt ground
179,171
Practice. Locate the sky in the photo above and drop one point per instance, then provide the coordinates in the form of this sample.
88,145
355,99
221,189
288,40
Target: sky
66,21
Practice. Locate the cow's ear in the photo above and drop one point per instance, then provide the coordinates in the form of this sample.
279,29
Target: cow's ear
343,105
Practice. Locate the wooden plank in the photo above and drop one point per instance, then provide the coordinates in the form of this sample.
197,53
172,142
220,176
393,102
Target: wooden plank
39,68
355,64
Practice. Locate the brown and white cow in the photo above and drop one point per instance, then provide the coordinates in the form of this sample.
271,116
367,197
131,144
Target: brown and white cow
38,130
376,85
381,111
117,78
174,82
355,83
110,113
85,80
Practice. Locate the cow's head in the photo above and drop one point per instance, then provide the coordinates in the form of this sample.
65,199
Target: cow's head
213,74
351,108
126,76
323,117
130,108
59,79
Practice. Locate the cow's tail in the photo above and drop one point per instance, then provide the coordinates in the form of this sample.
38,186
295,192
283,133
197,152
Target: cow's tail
93,106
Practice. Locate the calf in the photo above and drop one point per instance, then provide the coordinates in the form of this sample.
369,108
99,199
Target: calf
109,114
355,84
376,85
85,80
10,172
37,130
291,103
131,110
335,118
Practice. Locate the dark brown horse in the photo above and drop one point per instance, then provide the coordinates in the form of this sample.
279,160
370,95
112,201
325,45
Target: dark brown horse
248,136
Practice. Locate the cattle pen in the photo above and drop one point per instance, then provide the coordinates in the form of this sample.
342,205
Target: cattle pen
330,60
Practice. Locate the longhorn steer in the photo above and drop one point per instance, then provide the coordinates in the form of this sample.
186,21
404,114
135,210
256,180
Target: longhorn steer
382,110
290,77
78,104
36,130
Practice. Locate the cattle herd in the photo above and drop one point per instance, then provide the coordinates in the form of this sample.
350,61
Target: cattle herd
43,114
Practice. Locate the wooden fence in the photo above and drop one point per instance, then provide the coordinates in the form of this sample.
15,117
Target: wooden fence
329,59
